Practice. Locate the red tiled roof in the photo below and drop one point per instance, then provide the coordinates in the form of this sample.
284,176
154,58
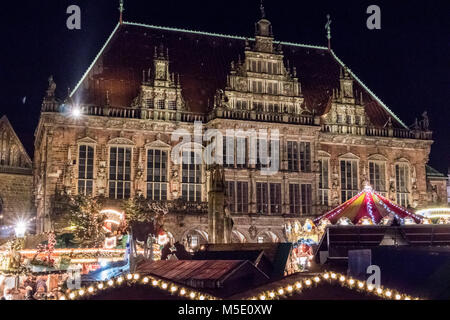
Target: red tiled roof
203,61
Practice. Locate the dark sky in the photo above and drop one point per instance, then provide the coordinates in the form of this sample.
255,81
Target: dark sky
406,63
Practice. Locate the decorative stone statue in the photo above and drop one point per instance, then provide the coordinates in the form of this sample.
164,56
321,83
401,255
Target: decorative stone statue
139,176
434,195
392,190
51,87
425,121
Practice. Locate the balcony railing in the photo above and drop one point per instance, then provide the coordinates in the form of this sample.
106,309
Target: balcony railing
246,115
377,132
252,115
134,113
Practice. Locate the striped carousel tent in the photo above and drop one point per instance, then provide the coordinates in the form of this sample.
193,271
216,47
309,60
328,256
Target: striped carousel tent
368,208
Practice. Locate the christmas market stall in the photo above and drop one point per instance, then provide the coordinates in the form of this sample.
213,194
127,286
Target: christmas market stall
369,208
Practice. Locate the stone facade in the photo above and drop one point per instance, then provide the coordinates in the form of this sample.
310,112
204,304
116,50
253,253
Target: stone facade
327,150
16,180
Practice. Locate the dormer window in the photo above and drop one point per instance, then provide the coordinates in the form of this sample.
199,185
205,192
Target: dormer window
172,105
272,88
272,68
160,104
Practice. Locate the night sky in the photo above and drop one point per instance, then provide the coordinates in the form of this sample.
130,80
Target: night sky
406,63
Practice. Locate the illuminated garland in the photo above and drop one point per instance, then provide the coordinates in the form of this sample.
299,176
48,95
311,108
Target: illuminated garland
280,293
331,277
135,279
369,207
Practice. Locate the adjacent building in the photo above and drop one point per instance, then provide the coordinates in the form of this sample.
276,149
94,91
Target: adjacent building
16,179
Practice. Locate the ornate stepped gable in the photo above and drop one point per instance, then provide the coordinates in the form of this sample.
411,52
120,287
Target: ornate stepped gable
346,108
13,157
160,89
262,83
208,66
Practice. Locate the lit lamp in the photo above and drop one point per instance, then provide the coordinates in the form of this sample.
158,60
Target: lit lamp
76,111
20,229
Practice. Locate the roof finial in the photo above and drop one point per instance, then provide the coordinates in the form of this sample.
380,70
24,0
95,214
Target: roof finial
263,12
328,28
121,10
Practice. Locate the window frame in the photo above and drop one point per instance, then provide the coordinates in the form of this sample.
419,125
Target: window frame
352,191
403,197
94,146
124,146
321,190
161,183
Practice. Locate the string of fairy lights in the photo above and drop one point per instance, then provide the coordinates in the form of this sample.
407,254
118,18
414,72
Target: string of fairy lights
331,278
136,279
282,292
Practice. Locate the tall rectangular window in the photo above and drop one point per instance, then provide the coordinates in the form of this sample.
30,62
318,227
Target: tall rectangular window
264,152
402,185
191,187
228,151
294,198
300,199
292,153
156,174
305,156
85,169
306,199
262,203
377,176
324,188
268,198
241,152
349,179
119,172
238,196
231,193
275,198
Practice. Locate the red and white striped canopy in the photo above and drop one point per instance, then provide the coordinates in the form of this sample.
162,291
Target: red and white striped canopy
366,205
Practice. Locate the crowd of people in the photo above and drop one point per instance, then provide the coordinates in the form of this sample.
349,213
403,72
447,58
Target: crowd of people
28,288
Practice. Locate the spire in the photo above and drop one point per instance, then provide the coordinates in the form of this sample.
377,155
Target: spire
328,28
121,10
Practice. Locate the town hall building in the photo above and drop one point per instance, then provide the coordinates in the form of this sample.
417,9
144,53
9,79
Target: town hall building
113,135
